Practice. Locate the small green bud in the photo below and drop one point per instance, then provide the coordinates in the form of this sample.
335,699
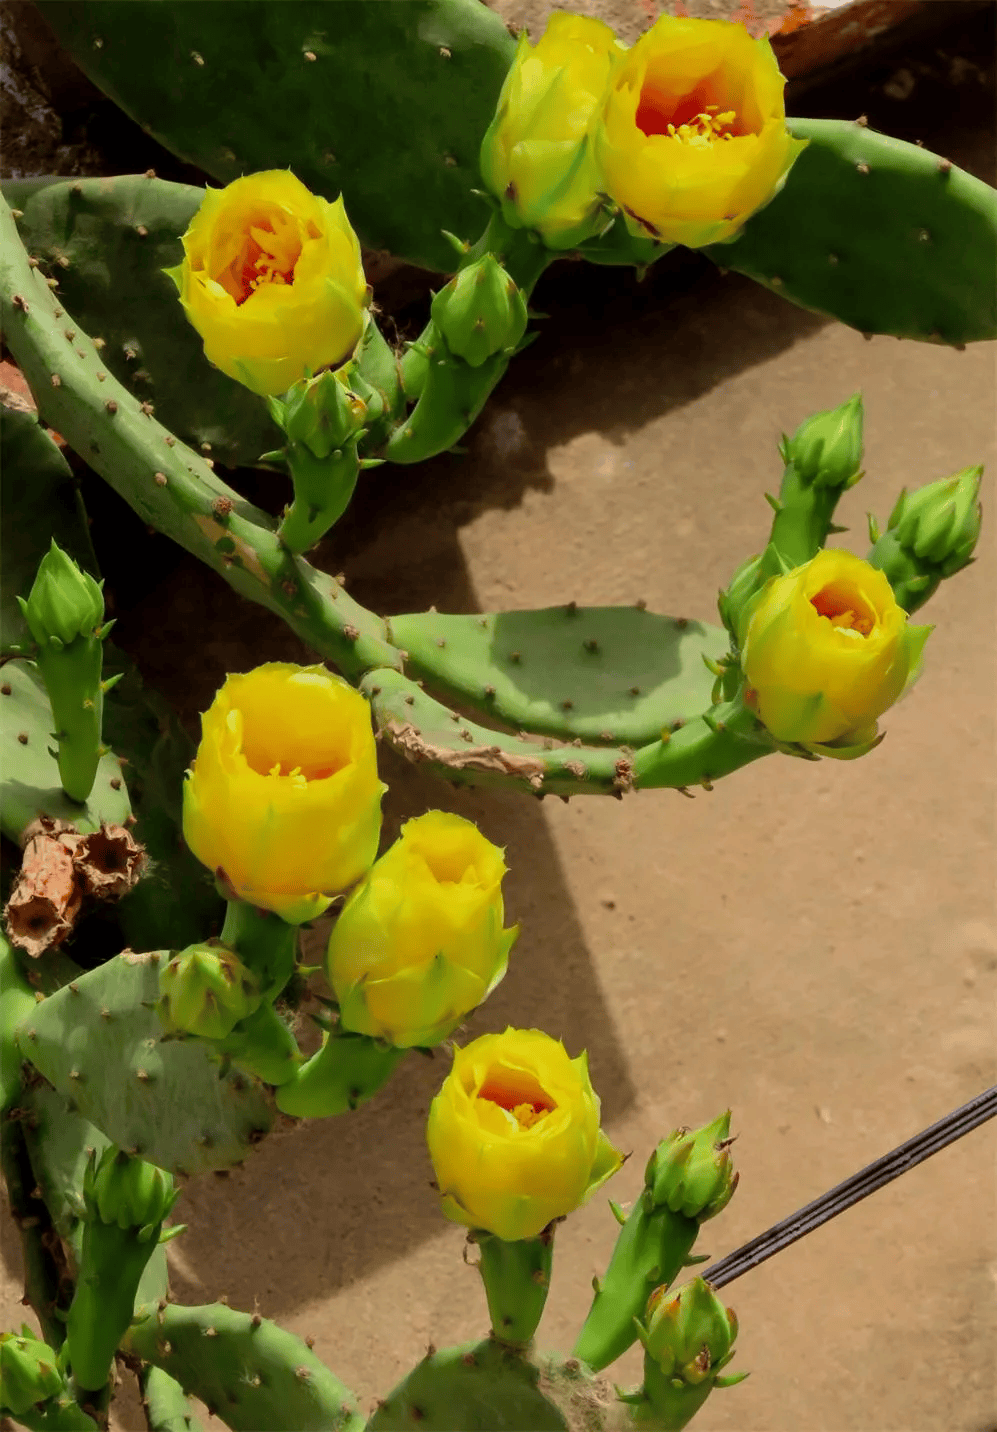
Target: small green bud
480,312
827,449
692,1173
743,586
206,990
689,1334
321,413
127,1191
64,602
29,1372
940,523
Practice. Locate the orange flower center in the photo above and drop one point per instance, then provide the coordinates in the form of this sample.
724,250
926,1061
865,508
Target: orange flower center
845,608
269,251
519,1094
690,120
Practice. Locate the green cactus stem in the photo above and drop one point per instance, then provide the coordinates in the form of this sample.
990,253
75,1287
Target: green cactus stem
932,534
166,1407
344,1073
262,1045
17,1000
448,390
244,1368
65,614
126,1200
516,1276
264,943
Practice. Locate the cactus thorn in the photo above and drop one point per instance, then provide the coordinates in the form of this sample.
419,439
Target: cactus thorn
74,987
571,609
862,167
351,633
489,690
635,691
110,407
515,656
567,705
255,1321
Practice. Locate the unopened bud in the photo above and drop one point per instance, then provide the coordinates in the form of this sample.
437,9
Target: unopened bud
689,1334
206,990
692,1173
480,312
64,601
826,450
127,1191
940,523
321,413
29,1372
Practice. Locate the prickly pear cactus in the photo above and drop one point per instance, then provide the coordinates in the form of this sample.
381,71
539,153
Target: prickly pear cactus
386,104
880,234
106,242
100,1042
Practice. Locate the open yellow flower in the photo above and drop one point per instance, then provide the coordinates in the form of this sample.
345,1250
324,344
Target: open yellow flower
826,650
536,156
420,943
514,1134
272,281
283,800
693,137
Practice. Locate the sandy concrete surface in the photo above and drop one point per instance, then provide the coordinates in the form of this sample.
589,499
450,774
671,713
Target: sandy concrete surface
813,945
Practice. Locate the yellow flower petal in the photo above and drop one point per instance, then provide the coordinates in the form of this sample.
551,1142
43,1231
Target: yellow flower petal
272,281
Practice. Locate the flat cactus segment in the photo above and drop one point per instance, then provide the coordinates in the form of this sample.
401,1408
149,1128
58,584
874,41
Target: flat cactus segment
880,234
386,103
99,1042
106,243
29,773
460,751
59,1141
245,1368
479,1386
605,674
40,500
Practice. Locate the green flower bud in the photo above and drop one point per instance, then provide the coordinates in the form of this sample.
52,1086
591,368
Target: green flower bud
743,586
320,413
480,312
827,449
939,524
29,1372
692,1173
127,1192
690,1333
63,602
206,990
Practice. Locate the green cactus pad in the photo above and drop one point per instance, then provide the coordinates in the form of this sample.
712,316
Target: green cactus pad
384,103
880,234
606,674
106,242
29,773
167,1409
99,1042
245,1368
476,1387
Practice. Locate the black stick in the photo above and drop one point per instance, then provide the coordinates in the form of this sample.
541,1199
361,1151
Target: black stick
876,1175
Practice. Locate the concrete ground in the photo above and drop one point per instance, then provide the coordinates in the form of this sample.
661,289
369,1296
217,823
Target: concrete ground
814,946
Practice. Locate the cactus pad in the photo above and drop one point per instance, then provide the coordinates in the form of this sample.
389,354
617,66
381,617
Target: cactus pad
99,1041
384,103
245,1368
880,234
605,674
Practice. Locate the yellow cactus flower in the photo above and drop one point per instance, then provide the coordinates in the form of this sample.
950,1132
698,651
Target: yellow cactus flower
537,154
420,943
514,1134
692,139
272,281
826,649
283,800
